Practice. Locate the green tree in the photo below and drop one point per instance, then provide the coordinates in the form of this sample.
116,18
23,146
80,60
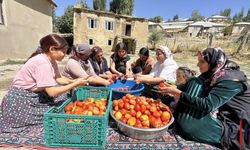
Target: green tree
124,7
99,5
196,16
238,17
247,17
155,37
157,19
226,12
64,24
176,18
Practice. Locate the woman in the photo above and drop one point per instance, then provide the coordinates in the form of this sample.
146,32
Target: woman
215,102
144,64
99,63
163,70
34,89
79,66
119,62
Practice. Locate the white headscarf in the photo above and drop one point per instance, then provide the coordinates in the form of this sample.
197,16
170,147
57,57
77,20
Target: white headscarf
166,51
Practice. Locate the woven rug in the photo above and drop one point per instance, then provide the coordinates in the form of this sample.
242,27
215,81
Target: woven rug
115,140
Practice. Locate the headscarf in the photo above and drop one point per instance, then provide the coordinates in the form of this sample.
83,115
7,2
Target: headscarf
166,51
216,59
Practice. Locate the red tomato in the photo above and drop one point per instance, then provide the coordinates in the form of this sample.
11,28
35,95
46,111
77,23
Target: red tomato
162,85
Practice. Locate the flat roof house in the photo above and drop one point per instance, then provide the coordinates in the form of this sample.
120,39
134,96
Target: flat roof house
106,29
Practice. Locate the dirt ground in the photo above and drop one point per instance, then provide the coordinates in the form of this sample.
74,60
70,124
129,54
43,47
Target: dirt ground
7,72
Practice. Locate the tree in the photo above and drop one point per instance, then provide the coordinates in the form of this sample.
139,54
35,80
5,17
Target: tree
226,12
247,17
238,17
99,5
176,18
124,7
196,16
155,37
64,24
156,19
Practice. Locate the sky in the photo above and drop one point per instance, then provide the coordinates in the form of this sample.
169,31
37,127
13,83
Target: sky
169,8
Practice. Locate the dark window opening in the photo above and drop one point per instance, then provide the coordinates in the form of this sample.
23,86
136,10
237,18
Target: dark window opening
128,30
109,42
91,42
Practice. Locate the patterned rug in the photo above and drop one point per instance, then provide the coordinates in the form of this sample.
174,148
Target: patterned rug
115,140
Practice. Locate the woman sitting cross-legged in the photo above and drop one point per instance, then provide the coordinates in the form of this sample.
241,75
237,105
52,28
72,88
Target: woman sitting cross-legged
214,102
35,87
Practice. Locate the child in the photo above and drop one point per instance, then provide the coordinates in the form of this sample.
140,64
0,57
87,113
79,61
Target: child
34,89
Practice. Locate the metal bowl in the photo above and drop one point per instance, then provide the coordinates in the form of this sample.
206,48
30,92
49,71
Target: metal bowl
141,133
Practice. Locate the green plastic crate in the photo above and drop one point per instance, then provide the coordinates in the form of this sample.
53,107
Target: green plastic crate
88,134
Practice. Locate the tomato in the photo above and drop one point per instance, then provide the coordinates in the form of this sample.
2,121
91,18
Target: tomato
68,107
162,85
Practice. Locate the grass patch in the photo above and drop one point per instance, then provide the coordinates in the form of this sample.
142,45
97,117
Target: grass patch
12,62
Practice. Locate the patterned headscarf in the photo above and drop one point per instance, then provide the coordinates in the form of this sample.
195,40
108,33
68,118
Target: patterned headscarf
216,58
166,51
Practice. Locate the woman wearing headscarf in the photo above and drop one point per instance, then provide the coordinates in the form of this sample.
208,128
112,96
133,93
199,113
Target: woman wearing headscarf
79,65
144,64
214,103
100,63
164,69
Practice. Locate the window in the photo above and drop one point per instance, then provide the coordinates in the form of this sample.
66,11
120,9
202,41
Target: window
91,23
109,42
109,25
91,41
1,12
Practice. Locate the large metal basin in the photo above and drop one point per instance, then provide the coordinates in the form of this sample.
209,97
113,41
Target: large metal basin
141,133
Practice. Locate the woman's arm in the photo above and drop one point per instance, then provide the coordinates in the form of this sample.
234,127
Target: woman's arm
219,95
128,68
55,91
64,80
96,80
148,79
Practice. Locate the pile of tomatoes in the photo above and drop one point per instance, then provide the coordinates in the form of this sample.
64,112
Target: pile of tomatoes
89,107
122,89
141,112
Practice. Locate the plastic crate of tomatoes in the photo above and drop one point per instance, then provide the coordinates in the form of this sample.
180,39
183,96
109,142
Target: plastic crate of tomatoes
80,121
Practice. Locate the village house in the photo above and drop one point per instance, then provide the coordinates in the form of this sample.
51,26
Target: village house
175,27
22,24
201,28
217,19
154,26
106,29
240,27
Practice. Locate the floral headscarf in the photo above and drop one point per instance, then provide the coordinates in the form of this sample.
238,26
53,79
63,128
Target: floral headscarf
216,58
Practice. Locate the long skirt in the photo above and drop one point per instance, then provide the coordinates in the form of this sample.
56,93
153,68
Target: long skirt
21,109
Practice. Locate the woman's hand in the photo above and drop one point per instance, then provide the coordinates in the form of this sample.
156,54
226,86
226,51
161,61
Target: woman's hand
138,79
170,89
